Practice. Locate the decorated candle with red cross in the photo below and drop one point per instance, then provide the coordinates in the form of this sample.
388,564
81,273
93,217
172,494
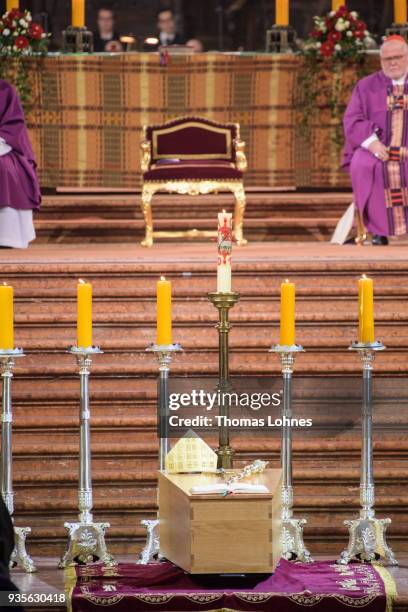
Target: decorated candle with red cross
224,252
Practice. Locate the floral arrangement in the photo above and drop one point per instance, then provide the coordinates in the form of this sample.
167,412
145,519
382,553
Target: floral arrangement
334,60
340,34
20,38
19,34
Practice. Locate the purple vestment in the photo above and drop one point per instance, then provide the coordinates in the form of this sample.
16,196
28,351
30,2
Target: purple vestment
19,186
370,111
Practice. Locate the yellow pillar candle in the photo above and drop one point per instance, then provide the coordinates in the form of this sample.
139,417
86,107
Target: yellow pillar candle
84,320
78,13
366,309
164,331
282,12
224,245
12,4
287,314
400,11
336,4
6,317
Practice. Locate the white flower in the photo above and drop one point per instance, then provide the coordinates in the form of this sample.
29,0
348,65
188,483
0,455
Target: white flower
340,26
354,14
322,27
43,35
23,23
15,33
337,47
318,45
332,13
28,17
6,32
366,33
349,33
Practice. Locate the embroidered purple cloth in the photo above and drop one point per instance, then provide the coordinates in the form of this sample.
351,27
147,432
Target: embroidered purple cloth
369,112
322,586
19,186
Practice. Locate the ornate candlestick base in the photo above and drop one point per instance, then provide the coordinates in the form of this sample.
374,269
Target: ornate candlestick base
164,353
19,555
86,539
223,301
77,40
293,547
367,534
367,542
86,544
280,39
152,547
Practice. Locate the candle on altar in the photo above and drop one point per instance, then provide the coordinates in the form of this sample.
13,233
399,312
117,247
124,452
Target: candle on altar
287,314
366,309
78,13
282,12
84,319
164,329
12,4
6,317
336,4
224,252
400,11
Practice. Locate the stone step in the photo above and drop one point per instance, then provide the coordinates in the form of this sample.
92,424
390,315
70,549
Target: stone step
118,217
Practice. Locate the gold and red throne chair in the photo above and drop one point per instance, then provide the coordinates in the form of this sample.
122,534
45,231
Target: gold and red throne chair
193,156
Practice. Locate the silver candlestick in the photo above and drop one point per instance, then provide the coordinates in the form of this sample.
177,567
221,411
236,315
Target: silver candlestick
367,534
19,555
164,353
86,539
293,547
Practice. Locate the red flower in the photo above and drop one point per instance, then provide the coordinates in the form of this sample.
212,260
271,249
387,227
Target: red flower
36,31
316,33
341,11
359,34
21,42
329,23
334,37
361,25
15,14
327,49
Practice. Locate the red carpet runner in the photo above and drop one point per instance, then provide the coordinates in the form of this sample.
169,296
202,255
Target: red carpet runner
320,586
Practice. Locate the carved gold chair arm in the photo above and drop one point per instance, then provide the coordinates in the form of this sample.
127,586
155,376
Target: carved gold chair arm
240,156
145,146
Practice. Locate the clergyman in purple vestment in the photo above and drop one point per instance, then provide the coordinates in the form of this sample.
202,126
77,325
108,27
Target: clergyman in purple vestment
376,143
19,188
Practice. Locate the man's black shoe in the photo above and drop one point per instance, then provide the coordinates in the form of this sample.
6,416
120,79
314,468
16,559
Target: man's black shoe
378,240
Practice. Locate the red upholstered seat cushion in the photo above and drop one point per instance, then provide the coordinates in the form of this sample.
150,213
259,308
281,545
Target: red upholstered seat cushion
202,169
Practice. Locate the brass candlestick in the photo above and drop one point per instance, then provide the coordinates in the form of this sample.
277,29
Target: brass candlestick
19,555
164,353
367,534
223,301
77,40
293,548
86,539
280,39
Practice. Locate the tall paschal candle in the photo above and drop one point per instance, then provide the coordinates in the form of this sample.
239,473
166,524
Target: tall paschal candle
224,252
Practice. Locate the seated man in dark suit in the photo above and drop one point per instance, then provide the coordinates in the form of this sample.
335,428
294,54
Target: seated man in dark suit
105,38
167,34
